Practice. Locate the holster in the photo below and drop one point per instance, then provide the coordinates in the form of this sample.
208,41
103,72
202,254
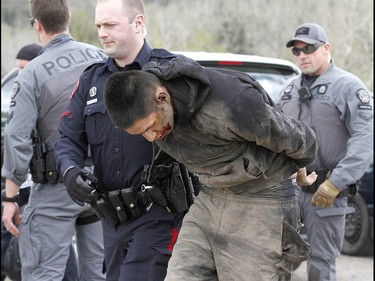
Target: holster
38,164
177,190
173,186
52,176
38,170
42,164
104,210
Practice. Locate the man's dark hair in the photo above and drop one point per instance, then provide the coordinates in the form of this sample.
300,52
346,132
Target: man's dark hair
130,96
53,14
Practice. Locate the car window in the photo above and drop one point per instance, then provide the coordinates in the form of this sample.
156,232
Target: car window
6,93
271,73
271,79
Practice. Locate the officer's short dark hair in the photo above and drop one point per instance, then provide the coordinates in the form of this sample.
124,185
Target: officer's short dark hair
54,15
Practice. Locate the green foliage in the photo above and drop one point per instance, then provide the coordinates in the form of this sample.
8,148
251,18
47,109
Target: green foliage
82,28
8,16
202,39
259,27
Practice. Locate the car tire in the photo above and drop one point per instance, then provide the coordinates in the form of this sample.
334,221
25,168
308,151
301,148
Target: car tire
357,240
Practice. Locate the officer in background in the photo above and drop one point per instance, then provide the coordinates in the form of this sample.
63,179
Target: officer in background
41,93
26,54
23,57
338,106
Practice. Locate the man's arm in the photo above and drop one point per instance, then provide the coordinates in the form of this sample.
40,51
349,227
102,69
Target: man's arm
268,127
18,148
357,104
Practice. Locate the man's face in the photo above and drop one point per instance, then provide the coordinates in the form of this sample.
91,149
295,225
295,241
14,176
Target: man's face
159,123
21,64
315,63
120,36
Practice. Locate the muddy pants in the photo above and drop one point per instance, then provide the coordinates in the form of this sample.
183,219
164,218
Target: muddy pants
232,237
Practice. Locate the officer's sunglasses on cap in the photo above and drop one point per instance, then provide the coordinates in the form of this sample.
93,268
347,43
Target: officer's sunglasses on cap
32,20
307,50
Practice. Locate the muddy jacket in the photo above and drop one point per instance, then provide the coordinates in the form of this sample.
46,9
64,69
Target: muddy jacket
227,131
340,110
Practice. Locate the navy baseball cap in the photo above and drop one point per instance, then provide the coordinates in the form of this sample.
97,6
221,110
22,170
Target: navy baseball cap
309,33
29,52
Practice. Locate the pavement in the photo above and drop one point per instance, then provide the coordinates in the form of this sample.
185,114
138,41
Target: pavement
349,268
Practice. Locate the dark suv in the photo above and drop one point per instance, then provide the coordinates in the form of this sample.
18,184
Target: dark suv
359,226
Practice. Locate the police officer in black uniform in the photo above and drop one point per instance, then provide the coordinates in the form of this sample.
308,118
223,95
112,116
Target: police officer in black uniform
139,233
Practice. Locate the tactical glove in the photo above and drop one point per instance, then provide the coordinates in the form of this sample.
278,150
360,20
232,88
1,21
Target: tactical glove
79,185
325,194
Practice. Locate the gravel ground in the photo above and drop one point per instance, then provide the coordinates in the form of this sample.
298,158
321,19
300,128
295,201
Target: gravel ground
348,269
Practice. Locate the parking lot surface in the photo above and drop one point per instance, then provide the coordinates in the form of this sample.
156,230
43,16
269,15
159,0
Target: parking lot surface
349,268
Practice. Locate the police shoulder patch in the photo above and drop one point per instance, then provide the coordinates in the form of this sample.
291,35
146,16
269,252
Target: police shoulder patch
288,89
363,96
16,88
92,91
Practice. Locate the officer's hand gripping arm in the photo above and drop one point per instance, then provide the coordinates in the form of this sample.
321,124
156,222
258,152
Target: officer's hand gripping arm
79,185
325,194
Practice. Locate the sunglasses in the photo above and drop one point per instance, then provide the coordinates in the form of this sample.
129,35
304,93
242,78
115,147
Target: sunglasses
32,20
307,50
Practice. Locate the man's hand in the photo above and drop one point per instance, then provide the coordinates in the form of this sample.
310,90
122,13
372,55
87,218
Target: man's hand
77,185
303,179
325,194
11,211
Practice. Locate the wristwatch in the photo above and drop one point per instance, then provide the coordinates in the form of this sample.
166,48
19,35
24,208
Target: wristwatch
4,198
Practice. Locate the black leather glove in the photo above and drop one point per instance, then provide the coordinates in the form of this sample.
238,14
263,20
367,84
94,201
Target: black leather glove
79,185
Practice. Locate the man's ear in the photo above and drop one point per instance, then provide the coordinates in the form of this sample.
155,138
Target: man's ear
162,95
139,21
39,27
